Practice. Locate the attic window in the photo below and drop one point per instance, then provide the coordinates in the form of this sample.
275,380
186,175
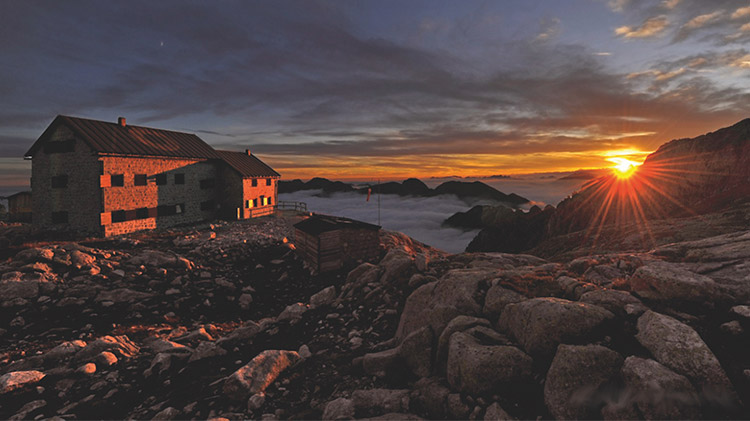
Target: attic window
60,146
59,181
179,178
140,180
268,181
161,179
255,182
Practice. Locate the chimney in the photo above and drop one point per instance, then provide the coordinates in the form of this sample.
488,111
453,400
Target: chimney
121,121
247,151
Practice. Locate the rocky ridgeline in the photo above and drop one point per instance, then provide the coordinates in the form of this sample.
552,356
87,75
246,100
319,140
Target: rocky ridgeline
226,322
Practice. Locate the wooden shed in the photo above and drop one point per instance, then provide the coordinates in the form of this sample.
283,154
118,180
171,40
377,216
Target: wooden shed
19,207
330,242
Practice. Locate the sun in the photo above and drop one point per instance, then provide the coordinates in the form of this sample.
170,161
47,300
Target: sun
623,167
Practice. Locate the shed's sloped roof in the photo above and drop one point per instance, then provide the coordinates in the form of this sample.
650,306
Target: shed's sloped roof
112,138
318,224
247,165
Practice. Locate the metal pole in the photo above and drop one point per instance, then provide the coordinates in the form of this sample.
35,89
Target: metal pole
378,201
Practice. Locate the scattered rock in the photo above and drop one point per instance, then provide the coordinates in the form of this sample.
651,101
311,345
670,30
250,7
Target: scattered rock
292,312
496,413
106,359
381,400
255,376
339,409
324,297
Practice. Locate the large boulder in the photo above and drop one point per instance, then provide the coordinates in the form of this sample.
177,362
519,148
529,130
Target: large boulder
680,348
380,401
497,298
397,266
437,303
658,392
458,324
540,324
576,380
416,351
478,369
661,281
255,376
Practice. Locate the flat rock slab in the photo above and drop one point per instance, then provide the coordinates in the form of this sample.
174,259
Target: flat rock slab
663,281
680,348
541,324
255,376
18,379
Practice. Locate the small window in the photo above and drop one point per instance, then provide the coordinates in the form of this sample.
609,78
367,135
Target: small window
60,217
140,180
208,205
248,203
141,213
263,200
161,179
117,180
255,182
59,181
179,178
179,208
270,200
118,216
255,203
208,183
268,181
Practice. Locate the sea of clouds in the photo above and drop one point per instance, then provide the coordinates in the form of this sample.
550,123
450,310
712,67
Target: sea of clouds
421,217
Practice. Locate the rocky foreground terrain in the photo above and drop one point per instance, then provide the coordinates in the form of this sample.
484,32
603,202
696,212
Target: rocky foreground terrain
225,321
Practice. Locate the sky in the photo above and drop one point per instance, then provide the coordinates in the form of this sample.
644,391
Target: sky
381,89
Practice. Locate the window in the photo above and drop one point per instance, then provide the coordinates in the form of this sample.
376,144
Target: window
270,200
208,183
255,182
268,181
179,178
60,217
140,180
59,181
255,203
117,180
208,205
141,213
165,210
179,208
60,146
161,179
248,203
118,216
263,200
101,167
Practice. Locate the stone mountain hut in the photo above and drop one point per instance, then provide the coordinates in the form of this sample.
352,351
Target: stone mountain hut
328,243
114,178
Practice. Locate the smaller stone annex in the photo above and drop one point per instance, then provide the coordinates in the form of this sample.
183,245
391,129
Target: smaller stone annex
113,178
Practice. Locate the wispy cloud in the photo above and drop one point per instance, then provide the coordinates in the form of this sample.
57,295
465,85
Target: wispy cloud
550,29
741,13
650,28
